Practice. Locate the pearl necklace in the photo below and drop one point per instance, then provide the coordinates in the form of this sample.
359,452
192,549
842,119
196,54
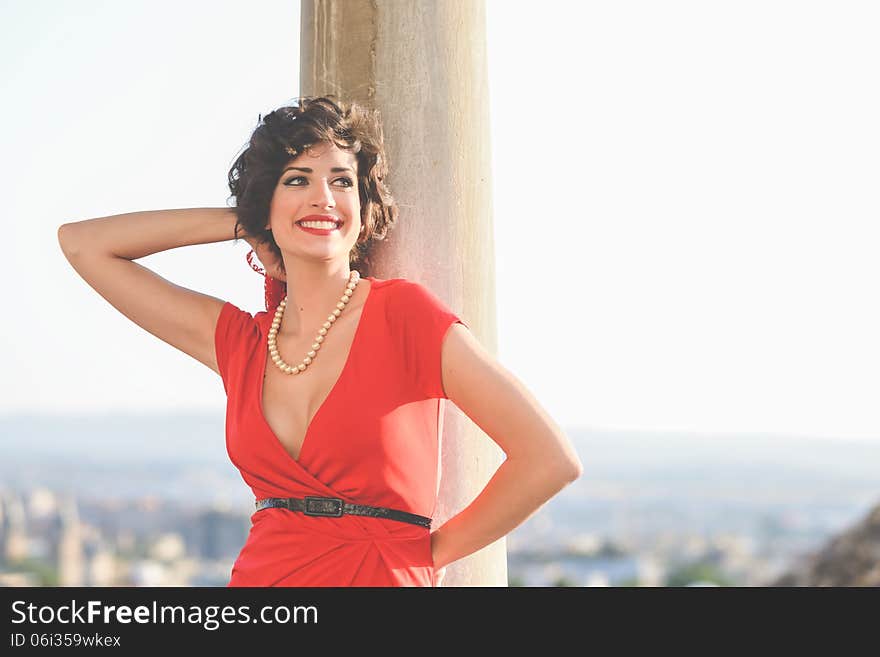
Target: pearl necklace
353,279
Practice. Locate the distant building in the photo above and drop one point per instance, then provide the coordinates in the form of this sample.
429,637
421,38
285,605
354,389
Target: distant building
13,528
218,534
103,569
71,558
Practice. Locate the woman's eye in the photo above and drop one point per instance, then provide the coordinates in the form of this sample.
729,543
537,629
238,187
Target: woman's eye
347,181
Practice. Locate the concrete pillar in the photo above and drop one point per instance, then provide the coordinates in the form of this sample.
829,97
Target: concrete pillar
422,64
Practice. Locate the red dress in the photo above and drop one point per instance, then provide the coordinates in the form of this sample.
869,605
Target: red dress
373,441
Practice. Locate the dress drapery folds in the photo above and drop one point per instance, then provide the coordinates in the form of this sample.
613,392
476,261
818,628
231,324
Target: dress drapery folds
373,441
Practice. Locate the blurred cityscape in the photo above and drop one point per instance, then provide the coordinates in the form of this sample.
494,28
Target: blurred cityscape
153,501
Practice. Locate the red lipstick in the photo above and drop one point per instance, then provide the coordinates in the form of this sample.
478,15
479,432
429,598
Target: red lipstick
319,217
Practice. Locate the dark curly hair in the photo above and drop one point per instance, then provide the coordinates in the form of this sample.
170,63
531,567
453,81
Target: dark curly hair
308,122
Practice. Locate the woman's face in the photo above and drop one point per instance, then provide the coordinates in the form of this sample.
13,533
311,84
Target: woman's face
318,184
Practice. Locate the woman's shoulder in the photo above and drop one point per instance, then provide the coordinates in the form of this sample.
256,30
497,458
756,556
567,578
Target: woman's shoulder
404,293
404,297
233,313
237,336
235,323
399,285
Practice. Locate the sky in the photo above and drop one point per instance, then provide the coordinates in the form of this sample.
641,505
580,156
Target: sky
685,194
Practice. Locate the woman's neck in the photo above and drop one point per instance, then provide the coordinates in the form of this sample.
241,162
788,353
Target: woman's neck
312,294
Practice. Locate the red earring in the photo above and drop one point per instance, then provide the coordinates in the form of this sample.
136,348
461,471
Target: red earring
274,290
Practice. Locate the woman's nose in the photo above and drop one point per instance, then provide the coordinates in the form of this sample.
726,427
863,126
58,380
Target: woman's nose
323,195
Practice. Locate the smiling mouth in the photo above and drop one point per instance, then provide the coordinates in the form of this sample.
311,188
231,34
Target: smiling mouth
317,222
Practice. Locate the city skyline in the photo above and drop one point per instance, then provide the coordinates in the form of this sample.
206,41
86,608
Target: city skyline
652,508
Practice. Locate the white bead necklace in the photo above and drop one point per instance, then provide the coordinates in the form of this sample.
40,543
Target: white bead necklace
353,279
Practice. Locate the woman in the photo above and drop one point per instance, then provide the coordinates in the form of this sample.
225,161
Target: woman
333,392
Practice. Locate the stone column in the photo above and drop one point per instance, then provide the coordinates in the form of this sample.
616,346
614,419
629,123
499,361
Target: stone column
422,64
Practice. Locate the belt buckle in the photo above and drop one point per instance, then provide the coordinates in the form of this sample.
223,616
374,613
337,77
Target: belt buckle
327,507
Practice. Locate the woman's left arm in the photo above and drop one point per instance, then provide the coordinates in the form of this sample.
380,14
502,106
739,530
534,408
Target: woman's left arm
540,459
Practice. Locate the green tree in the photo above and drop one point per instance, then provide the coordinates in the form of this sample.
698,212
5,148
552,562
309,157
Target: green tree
630,581
46,574
698,571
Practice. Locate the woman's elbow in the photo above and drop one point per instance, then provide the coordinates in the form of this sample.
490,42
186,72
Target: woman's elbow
565,469
571,470
567,463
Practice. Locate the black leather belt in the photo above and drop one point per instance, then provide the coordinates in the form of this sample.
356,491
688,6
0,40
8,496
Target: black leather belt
334,507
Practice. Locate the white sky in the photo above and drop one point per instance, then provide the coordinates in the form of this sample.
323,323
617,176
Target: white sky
686,201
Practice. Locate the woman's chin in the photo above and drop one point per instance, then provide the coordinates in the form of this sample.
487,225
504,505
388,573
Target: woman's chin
321,255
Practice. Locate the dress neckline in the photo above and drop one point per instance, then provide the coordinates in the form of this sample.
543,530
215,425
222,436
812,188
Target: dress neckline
345,368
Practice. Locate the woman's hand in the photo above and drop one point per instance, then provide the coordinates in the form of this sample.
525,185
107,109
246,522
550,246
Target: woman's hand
273,265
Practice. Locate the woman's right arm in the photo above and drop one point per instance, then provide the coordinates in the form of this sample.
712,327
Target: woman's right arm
103,250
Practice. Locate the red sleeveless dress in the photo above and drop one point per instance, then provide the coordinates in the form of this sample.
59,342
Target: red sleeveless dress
373,441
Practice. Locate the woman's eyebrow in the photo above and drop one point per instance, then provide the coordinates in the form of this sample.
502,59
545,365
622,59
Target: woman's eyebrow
308,170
